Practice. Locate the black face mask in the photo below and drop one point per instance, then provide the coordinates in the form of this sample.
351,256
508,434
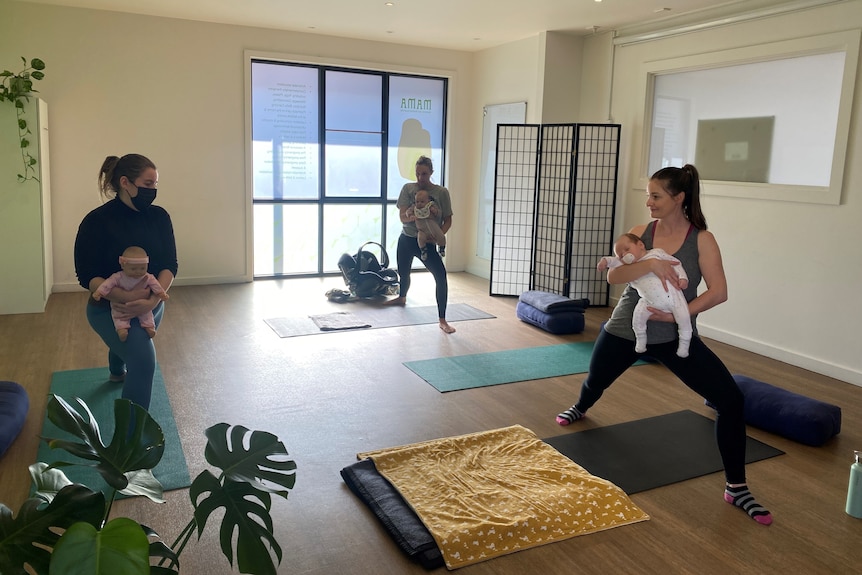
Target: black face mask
144,198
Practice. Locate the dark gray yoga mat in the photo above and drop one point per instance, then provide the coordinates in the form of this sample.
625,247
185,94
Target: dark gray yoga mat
378,316
653,452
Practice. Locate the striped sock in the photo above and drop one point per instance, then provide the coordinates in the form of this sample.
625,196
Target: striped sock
570,416
741,497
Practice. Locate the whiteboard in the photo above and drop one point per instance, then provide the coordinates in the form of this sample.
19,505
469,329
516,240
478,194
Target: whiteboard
514,113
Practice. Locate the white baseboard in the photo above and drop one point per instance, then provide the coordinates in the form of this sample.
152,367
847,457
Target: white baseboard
797,359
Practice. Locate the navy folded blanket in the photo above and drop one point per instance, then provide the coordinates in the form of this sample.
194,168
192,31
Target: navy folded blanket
399,519
791,415
551,302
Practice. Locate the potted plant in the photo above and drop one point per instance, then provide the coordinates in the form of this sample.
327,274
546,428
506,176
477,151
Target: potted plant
65,527
16,87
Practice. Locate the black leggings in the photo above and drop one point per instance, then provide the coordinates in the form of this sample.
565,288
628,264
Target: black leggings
408,248
702,371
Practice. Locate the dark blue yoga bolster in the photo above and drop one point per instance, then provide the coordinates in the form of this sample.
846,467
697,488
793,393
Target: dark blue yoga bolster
788,414
14,404
559,322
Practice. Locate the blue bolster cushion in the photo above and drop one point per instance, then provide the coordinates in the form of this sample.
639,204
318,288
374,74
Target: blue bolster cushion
559,322
788,414
14,404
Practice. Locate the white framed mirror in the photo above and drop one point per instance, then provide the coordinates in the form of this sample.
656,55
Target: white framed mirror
768,121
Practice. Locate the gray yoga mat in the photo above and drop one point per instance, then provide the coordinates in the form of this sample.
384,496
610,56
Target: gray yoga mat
652,452
377,317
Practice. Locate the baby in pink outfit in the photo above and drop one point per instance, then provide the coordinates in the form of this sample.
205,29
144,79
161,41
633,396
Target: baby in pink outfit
629,249
134,276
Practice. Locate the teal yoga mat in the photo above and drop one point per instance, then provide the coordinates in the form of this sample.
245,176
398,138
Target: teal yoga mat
92,386
484,369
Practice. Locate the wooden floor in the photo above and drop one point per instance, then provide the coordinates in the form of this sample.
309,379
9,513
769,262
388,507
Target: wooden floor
330,396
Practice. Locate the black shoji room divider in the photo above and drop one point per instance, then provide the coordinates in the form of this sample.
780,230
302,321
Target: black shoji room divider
554,197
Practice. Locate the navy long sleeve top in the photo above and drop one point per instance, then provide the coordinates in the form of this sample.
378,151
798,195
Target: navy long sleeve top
108,230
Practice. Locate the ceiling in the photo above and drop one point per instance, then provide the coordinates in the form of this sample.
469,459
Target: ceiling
467,25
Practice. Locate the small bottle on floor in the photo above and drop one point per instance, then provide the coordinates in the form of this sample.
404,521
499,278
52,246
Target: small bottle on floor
854,490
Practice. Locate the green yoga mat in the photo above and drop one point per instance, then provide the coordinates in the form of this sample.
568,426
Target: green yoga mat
484,369
92,386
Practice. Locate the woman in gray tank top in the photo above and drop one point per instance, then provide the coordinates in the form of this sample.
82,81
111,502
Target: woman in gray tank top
678,226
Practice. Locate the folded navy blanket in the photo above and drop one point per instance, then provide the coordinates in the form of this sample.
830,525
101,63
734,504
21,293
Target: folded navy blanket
399,519
551,302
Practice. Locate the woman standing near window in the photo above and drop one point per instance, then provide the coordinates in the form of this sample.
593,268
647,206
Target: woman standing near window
408,247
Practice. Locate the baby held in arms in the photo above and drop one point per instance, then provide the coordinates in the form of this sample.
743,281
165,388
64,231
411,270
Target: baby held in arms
429,232
630,249
133,275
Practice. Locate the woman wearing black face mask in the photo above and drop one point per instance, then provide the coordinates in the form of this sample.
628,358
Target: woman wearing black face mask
127,219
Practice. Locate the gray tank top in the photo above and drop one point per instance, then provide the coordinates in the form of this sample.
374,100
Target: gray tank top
620,323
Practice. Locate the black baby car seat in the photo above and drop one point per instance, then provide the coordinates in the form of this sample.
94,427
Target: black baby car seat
365,275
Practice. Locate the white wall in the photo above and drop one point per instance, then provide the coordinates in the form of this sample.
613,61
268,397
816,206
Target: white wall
505,74
561,77
792,268
174,91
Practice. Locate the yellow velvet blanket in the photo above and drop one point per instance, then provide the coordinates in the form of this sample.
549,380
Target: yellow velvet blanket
491,493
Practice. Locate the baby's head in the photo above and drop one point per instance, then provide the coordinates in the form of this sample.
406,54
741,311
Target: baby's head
134,262
629,248
422,198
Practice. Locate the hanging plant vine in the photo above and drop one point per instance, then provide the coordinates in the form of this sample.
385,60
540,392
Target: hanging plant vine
16,87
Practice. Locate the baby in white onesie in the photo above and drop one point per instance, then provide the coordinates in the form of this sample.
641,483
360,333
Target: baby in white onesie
629,249
425,211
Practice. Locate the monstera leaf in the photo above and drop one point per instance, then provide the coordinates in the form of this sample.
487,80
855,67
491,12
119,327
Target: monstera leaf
246,512
137,444
250,475
161,551
29,536
121,546
264,464
48,482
